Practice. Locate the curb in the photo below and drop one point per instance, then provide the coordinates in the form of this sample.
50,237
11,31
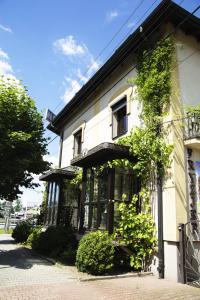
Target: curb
117,276
93,278
35,253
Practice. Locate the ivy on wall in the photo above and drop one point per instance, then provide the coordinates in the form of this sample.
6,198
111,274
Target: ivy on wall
148,145
148,142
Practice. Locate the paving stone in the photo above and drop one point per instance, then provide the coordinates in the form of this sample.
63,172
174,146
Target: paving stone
24,276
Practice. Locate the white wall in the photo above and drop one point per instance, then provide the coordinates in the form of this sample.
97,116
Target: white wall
96,116
188,54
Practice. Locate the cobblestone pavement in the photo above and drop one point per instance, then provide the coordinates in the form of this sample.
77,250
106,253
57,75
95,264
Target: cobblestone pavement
24,276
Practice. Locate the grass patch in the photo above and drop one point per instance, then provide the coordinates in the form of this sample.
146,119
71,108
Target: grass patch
2,231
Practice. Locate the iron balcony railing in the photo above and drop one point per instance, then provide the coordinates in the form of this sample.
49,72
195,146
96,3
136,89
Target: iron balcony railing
192,126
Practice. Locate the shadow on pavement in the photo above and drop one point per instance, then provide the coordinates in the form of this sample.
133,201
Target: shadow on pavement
6,242
20,257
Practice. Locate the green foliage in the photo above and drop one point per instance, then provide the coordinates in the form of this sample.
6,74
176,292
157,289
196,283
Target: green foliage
17,205
21,232
22,144
2,231
55,240
148,143
34,237
68,256
77,179
195,109
136,231
95,253
153,80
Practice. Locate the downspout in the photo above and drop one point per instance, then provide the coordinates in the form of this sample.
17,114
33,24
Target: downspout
60,152
60,198
161,262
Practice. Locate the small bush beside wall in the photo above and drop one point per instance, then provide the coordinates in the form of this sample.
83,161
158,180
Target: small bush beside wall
34,238
21,232
95,254
55,240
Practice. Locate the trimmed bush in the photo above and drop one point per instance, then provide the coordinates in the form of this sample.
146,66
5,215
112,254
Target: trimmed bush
21,232
68,256
95,254
34,238
55,240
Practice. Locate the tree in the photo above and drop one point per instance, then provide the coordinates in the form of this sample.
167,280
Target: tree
22,144
17,205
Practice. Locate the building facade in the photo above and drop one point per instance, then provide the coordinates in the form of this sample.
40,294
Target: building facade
107,108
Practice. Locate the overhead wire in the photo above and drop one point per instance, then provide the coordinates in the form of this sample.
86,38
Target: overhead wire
111,40
172,120
132,68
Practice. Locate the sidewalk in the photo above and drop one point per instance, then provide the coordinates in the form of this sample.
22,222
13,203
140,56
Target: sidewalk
25,276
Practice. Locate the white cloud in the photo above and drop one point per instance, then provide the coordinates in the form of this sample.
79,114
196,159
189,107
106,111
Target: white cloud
6,28
111,15
93,66
131,24
73,87
79,70
82,77
3,54
5,68
69,47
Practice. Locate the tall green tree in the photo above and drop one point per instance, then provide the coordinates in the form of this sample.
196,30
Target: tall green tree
22,142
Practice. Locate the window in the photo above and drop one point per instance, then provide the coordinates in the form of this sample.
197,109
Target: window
119,118
77,143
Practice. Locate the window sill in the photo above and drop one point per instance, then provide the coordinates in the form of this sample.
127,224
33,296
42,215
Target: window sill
118,136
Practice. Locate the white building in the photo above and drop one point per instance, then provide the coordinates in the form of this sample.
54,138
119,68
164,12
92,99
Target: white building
103,110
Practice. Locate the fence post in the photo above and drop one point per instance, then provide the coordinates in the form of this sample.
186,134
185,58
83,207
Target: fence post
182,245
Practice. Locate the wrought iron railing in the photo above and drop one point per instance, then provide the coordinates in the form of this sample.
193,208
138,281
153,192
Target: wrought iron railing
192,126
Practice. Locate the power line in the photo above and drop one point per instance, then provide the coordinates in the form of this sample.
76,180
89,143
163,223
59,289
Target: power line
107,115
112,39
132,68
52,140
129,34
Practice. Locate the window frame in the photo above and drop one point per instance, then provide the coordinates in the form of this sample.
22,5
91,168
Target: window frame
76,134
116,108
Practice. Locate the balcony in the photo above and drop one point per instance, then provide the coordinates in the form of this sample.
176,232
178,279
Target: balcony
192,130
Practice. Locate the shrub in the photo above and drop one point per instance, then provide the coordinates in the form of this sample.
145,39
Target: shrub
55,240
34,238
137,231
21,232
95,254
68,256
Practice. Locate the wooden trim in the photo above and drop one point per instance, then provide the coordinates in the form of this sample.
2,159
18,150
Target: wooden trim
111,185
83,194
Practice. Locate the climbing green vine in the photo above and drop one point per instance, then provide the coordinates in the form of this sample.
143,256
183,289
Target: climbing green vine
148,142
148,145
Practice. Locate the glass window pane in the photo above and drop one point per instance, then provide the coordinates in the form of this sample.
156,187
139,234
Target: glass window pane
86,216
103,216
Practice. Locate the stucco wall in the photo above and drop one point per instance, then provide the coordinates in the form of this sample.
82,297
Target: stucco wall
96,115
185,91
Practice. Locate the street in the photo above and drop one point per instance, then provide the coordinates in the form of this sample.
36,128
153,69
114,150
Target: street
24,275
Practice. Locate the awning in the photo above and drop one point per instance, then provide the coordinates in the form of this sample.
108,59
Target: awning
56,174
101,154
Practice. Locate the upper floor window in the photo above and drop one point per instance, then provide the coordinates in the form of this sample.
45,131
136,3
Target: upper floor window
77,143
119,118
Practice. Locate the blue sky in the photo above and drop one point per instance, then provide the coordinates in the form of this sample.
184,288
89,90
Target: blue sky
50,44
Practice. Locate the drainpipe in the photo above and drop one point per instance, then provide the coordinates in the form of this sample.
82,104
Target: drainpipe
60,151
161,264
